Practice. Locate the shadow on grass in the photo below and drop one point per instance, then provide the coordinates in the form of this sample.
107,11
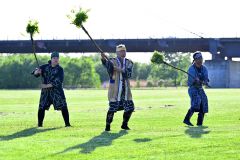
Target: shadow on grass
25,133
141,140
104,139
196,132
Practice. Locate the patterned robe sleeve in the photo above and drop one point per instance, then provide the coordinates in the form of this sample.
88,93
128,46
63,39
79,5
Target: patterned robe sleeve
109,66
205,72
57,81
38,75
128,70
190,81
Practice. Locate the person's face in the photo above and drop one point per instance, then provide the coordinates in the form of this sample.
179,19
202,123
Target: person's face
199,62
55,61
121,53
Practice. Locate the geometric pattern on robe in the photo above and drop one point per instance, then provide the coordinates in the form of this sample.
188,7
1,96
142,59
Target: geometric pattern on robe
119,92
196,93
54,95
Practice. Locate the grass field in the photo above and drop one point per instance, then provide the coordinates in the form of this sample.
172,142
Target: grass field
157,129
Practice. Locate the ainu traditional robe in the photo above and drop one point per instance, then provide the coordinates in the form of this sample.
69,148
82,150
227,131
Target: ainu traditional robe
54,95
119,92
197,95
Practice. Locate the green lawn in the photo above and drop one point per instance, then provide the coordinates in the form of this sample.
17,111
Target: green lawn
157,129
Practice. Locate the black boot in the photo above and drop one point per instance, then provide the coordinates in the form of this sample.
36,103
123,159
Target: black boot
65,115
188,117
41,114
109,120
126,117
200,119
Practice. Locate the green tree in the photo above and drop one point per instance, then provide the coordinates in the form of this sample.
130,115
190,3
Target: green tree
15,71
163,74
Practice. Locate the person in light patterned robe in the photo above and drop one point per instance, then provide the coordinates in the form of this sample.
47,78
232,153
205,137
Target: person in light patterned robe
119,93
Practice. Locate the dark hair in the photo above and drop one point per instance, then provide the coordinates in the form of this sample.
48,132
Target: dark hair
195,54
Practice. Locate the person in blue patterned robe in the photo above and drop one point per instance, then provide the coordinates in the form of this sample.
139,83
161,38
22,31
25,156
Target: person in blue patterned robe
52,76
199,100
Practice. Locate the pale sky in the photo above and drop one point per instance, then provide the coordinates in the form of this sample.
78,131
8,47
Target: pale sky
122,18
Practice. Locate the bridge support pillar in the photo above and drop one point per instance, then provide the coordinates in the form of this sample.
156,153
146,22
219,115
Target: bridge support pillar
223,73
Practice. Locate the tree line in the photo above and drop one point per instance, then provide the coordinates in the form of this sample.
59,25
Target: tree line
88,71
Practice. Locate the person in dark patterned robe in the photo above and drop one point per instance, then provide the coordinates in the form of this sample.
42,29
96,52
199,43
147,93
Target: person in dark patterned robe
52,89
199,100
119,93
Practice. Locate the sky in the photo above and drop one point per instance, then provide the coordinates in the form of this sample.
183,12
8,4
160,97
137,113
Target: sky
122,18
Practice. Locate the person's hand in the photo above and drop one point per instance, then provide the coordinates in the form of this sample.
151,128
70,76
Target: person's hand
206,84
197,81
38,71
43,86
103,56
49,85
118,69
46,86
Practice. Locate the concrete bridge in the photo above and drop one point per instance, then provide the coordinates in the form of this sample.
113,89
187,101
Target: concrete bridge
223,73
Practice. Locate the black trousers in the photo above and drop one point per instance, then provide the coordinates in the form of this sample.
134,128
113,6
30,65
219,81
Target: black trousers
126,117
41,115
200,115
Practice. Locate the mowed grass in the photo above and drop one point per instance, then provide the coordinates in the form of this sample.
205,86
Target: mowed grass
157,129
